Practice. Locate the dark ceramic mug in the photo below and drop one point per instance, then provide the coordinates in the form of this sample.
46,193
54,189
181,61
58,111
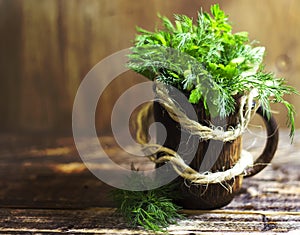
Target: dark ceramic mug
214,159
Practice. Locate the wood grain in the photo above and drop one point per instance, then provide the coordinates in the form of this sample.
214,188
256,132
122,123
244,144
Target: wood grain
106,221
48,46
46,188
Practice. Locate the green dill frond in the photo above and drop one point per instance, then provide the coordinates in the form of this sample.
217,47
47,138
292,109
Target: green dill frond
206,49
153,209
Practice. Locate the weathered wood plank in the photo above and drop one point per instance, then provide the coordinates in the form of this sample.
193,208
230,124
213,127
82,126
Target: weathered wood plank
47,49
106,221
45,188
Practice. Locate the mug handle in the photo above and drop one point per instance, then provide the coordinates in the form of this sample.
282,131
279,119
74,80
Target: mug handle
270,148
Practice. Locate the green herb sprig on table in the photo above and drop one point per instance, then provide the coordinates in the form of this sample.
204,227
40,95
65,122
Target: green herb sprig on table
232,63
153,209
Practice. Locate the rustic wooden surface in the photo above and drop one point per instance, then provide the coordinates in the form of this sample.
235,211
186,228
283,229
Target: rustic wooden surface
48,46
45,188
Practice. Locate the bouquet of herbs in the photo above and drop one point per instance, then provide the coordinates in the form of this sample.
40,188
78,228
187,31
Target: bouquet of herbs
187,54
209,50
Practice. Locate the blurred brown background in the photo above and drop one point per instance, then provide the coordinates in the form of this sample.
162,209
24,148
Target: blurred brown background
48,46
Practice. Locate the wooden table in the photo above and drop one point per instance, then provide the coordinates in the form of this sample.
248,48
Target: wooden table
45,188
